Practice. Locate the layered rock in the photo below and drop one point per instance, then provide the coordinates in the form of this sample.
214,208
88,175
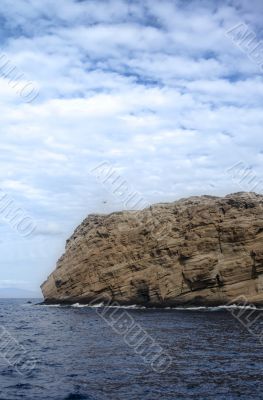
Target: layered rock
202,250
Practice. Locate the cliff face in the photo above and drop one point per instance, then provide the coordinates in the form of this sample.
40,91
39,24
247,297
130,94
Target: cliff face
201,250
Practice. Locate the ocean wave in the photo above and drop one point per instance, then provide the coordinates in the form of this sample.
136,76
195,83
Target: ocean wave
176,308
215,308
47,305
100,305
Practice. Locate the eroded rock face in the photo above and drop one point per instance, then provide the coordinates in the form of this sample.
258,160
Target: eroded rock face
202,250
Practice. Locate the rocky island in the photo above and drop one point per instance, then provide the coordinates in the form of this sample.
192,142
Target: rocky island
198,251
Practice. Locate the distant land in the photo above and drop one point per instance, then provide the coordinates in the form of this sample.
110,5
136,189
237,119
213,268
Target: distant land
16,293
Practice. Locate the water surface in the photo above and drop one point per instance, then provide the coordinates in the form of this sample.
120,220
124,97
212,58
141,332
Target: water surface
78,356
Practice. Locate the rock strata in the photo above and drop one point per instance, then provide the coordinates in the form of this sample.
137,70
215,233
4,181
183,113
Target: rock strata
200,251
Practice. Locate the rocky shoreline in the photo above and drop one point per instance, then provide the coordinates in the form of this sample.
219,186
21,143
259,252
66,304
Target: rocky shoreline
200,251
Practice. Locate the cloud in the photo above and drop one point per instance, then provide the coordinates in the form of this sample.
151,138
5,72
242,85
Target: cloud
45,228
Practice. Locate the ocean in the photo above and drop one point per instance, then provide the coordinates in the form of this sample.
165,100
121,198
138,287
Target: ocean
78,353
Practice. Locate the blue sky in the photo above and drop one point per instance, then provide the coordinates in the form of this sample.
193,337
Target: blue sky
156,88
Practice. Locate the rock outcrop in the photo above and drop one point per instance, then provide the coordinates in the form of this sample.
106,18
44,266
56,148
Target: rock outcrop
202,250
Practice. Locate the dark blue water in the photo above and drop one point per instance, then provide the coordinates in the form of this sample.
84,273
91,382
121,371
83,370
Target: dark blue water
78,356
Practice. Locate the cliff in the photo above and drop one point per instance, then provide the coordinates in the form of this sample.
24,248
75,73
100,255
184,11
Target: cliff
202,250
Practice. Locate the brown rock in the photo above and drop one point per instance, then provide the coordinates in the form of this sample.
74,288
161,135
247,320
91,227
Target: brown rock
202,250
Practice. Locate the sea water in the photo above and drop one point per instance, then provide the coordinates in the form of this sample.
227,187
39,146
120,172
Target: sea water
78,355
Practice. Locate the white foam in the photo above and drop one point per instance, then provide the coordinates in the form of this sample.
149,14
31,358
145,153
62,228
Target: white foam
77,305
176,308
49,305
101,305
216,308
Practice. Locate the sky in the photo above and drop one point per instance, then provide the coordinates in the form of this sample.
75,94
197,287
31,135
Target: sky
156,89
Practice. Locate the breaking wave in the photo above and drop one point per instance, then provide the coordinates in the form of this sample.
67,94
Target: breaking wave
176,308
